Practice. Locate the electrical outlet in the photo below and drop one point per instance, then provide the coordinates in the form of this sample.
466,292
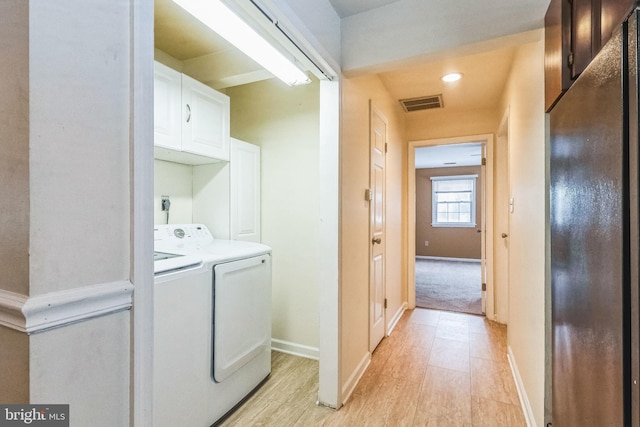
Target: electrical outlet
426,243
165,203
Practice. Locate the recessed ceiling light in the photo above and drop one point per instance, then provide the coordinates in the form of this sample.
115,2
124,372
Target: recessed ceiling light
451,77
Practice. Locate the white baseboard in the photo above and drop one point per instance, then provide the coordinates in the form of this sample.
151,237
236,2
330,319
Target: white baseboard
396,318
441,258
354,378
295,349
522,393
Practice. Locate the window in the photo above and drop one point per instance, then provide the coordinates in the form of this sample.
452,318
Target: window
453,201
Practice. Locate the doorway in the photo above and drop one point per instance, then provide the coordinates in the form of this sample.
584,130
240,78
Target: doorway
449,212
437,256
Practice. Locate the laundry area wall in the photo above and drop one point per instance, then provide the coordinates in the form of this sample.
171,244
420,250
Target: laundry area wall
199,194
284,122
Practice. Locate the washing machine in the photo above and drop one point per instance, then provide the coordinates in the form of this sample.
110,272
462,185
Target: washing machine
213,335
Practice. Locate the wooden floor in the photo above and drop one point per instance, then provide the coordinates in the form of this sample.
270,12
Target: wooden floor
436,369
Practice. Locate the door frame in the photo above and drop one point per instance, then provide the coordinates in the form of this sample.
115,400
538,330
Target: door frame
141,168
501,296
488,140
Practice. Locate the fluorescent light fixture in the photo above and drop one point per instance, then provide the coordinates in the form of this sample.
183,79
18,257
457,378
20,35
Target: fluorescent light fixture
228,25
451,77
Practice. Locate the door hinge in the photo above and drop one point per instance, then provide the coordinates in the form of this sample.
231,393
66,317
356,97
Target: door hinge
484,161
368,194
385,303
570,59
484,286
386,147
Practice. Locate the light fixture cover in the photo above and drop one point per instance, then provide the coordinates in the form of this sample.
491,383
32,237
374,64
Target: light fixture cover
451,77
228,25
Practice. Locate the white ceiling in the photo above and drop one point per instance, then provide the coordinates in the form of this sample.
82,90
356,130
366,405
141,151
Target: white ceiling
353,7
452,155
208,58
414,31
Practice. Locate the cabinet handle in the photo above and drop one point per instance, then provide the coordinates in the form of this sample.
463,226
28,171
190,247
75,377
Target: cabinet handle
377,240
188,113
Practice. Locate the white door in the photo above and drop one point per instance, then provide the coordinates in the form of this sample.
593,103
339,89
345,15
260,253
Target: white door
245,191
205,127
166,107
241,315
501,228
377,142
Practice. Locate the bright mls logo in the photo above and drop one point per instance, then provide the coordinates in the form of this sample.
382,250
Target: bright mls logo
34,415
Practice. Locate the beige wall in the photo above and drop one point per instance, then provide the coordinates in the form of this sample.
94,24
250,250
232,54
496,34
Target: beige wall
65,218
14,142
451,242
79,143
435,124
284,122
524,97
354,226
14,366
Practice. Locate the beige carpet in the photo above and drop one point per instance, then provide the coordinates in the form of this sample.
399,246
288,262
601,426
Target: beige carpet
449,285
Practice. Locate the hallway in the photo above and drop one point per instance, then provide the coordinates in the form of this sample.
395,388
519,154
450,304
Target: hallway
436,369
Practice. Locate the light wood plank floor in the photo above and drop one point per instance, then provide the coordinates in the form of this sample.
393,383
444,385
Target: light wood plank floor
436,369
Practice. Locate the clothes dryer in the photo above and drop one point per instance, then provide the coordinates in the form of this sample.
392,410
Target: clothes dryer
236,335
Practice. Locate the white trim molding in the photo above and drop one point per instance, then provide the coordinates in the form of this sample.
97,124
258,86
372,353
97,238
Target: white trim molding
11,305
522,393
57,309
295,349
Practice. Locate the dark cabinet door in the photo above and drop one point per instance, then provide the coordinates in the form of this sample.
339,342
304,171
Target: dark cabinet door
582,40
557,78
575,31
612,14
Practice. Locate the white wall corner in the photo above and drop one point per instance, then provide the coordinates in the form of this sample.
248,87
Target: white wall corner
57,309
300,350
396,318
522,393
350,385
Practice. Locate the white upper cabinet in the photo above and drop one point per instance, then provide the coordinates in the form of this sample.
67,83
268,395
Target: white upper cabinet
206,127
191,119
167,107
245,191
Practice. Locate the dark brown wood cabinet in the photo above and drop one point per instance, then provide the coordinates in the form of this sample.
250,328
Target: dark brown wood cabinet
575,31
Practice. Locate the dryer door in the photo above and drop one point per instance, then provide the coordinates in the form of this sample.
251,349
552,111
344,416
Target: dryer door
242,313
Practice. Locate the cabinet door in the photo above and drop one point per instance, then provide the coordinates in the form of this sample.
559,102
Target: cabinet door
205,129
166,107
582,36
612,14
557,47
245,191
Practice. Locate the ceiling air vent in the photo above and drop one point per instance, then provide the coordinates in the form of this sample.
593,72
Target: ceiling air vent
422,103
